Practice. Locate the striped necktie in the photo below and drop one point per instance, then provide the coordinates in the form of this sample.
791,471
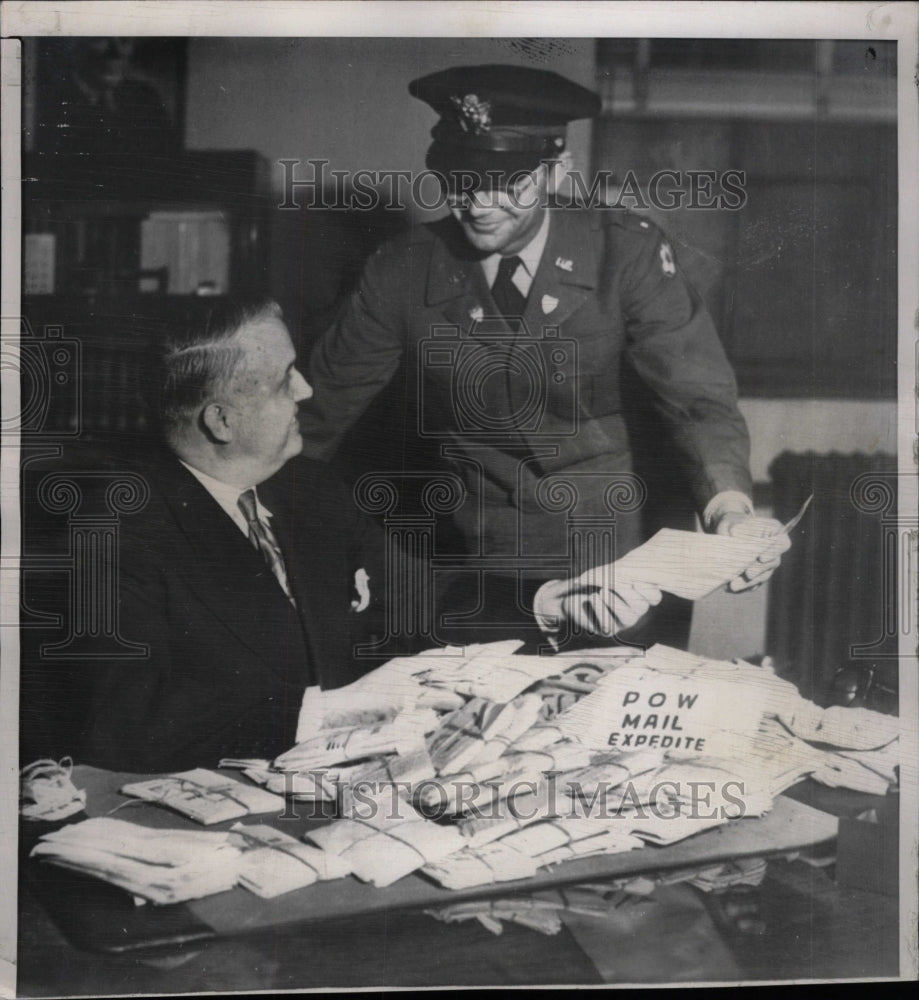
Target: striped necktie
263,540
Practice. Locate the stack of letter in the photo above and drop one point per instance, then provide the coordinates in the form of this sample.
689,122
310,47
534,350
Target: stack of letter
163,866
274,862
386,847
204,796
657,746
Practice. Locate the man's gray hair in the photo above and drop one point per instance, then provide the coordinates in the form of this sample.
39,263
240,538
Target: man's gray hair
202,359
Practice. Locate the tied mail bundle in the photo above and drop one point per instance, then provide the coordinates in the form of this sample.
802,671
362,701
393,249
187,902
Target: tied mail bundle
479,765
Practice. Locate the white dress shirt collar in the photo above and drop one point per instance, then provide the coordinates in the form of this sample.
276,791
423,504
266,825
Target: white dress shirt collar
228,497
530,257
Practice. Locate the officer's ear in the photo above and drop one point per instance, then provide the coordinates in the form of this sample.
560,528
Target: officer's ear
558,170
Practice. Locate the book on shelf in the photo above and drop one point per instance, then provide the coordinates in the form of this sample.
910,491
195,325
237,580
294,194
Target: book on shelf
193,245
38,264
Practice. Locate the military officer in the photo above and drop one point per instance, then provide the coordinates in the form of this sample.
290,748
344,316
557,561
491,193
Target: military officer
516,317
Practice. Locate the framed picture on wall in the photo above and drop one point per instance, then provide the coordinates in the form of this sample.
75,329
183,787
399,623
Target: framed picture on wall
97,95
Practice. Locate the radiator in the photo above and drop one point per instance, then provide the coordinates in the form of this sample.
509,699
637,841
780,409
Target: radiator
829,594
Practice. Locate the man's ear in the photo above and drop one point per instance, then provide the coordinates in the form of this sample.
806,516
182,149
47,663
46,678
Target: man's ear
558,171
215,422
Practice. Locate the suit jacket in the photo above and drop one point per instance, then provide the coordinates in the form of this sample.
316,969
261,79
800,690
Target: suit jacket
229,657
516,407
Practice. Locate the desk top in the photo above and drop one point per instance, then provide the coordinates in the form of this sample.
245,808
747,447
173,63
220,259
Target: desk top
98,917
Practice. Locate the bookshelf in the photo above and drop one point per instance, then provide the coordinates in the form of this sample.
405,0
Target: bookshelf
117,248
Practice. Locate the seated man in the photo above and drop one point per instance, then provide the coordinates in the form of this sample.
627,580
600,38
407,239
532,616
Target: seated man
247,575
245,582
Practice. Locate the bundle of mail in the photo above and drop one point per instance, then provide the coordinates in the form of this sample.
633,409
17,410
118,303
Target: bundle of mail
544,911
540,911
163,866
655,746
204,796
482,765
499,781
172,866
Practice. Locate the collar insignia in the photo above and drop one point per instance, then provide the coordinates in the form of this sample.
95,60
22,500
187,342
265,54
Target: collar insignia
668,265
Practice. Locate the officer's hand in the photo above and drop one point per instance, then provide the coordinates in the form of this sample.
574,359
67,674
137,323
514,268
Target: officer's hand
745,526
609,611
596,602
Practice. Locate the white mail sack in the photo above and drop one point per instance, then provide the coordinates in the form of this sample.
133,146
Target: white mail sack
638,709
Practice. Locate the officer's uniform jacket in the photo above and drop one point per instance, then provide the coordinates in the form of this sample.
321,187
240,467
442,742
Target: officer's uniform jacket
519,413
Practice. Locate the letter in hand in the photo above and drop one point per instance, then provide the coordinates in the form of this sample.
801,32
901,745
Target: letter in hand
597,602
746,526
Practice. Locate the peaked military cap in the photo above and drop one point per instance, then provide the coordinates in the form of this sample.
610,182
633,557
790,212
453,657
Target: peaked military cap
498,117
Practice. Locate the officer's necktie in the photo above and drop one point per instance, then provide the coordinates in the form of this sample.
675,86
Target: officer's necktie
508,297
262,538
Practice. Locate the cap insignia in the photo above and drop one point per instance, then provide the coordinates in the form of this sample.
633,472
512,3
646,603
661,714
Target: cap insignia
473,115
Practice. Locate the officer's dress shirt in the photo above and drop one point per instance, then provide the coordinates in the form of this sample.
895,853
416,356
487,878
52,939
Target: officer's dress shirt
530,257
